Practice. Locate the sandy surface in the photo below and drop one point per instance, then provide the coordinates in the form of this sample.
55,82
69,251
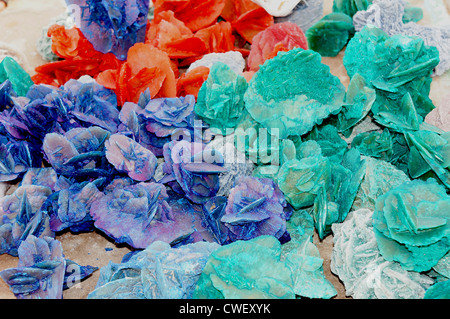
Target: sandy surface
21,25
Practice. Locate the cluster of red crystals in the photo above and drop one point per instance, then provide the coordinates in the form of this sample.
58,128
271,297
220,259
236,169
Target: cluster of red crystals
181,32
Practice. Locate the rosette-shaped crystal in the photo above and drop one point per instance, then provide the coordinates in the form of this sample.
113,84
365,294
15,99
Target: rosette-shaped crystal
79,151
429,151
21,216
113,26
412,224
404,65
301,180
40,272
266,44
363,270
155,122
128,156
71,207
255,207
16,157
220,101
139,215
246,269
195,168
163,115
158,272
330,34
292,92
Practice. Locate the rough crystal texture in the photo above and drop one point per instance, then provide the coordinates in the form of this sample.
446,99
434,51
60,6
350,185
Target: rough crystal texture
233,59
330,34
295,108
440,290
19,78
388,16
129,156
399,73
305,14
113,26
429,153
40,271
350,7
278,8
194,169
363,270
21,216
440,116
246,269
256,207
71,207
279,37
220,101
139,215
158,272
357,104
412,224
380,177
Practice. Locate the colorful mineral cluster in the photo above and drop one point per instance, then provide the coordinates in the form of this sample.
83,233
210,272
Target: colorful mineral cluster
213,141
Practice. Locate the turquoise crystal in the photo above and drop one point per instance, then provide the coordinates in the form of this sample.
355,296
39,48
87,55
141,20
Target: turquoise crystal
292,92
220,101
329,35
393,66
19,78
412,224
440,290
350,7
246,269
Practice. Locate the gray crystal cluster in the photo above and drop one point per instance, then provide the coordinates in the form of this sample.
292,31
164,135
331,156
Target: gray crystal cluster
305,14
388,14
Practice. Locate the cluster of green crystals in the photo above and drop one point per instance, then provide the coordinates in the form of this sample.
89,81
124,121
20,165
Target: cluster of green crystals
19,78
292,121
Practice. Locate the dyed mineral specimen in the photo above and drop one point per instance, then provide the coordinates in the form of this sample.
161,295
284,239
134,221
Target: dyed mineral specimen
411,224
301,180
19,78
256,207
139,215
226,274
194,169
113,26
71,207
40,272
279,37
399,73
357,104
158,272
380,177
389,15
330,34
440,290
295,108
350,7
69,155
220,101
129,156
429,152
363,270
21,217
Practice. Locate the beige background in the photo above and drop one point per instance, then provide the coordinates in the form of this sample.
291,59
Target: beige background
21,26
